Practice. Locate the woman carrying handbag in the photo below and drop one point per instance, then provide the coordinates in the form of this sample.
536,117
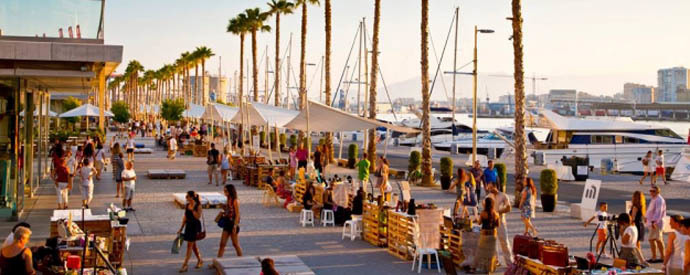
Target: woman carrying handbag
194,228
229,220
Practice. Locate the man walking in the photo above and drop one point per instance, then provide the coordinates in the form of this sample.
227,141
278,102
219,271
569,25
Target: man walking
656,211
213,160
172,147
478,174
502,206
491,175
129,177
363,171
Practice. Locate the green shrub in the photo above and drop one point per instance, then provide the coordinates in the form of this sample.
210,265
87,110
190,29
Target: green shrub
97,132
121,111
62,135
172,109
293,140
548,182
262,138
415,161
502,176
283,139
272,138
446,166
352,155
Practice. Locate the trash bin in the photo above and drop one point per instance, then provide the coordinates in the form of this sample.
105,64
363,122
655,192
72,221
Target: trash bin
579,166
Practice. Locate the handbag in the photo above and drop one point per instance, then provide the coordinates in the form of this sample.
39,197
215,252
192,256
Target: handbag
202,234
177,243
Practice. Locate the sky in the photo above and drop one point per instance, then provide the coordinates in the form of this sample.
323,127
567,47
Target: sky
588,45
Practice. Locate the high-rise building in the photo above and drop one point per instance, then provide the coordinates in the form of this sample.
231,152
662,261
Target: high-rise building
212,92
639,93
670,81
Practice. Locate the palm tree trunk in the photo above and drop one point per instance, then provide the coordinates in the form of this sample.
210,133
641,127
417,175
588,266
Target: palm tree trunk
255,69
520,144
203,81
302,58
327,68
372,87
427,179
276,72
195,95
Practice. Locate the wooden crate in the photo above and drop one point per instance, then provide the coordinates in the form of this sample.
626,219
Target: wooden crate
452,241
400,235
372,229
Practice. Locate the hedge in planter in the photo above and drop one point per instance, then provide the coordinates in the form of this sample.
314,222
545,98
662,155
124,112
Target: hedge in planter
502,176
352,155
262,139
415,161
283,140
548,182
446,172
293,140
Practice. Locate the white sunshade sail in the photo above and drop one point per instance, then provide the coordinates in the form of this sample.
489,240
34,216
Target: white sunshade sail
323,118
194,111
263,114
219,112
85,110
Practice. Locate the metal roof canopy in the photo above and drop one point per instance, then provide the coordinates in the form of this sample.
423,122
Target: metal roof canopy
58,65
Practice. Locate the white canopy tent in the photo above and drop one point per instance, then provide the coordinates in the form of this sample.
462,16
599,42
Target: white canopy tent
50,113
194,111
259,114
85,110
219,112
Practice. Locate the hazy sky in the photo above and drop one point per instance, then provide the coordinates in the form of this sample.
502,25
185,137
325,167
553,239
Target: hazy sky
589,45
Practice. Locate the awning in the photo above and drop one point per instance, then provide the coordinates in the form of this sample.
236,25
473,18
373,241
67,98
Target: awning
85,110
219,112
262,114
323,118
194,111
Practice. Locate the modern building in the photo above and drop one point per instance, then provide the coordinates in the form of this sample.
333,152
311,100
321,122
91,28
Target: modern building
670,81
639,93
35,67
212,90
562,95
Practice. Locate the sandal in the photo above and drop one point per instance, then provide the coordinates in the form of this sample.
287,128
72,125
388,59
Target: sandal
199,264
183,269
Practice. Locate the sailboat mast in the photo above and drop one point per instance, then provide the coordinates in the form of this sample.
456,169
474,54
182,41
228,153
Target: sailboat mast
455,60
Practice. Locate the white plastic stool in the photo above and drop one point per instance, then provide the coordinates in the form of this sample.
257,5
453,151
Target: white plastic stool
327,217
354,231
306,217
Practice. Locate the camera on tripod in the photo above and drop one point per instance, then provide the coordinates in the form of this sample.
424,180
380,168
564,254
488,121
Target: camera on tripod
612,218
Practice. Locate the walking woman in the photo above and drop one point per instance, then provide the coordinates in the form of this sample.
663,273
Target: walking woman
116,160
99,159
293,161
385,187
646,163
485,259
529,193
16,258
675,247
86,172
231,222
192,227
226,160
637,214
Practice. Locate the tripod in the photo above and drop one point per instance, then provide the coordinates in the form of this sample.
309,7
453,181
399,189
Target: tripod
610,239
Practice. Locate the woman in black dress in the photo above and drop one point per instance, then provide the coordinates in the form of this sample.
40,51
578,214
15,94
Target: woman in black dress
192,227
231,225
637,214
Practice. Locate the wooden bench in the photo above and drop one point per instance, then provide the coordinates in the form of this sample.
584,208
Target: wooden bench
166,174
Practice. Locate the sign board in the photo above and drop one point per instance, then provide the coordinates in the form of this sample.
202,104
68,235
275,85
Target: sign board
590,195
405,189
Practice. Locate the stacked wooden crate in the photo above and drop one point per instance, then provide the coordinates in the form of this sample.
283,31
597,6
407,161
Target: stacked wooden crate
370,224
400,235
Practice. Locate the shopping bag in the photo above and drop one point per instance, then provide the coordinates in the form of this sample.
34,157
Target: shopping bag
177,243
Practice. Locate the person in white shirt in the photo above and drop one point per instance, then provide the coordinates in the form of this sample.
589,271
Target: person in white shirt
647,164
129,145
502,206
600,217
172,148
86,172
673,260
100,160
129,177
629,251
660,168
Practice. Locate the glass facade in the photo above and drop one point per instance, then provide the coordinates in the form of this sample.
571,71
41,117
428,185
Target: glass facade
53,15
11,187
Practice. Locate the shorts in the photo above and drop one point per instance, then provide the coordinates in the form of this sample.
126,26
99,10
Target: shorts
213,168
645,168
130,150
62,193
87,192
660,171
655,234
302,164
129,192
98,165
229,225
601,233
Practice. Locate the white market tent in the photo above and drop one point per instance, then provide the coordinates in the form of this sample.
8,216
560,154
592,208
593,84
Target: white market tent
219,112
321,118
85,110
259,114
194,111
50,113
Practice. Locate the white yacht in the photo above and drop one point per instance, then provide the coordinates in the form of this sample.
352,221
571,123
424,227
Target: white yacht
491,143
622,142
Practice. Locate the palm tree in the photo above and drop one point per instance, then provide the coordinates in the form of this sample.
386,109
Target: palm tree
204,53
303,54
277,7
372,87
132,73
327,68
520,146
185,58
238,26
255,22
426,130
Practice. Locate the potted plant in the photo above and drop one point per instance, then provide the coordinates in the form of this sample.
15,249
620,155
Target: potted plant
293,140
413,166
502,176
283,141
262,139
352,155
446,172
548,182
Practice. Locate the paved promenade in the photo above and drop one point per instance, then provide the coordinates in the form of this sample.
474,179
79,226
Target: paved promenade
264,231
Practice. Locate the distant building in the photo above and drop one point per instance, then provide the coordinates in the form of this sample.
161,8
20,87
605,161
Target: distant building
211,91
643,94
562,95
683,95
382,108
669,82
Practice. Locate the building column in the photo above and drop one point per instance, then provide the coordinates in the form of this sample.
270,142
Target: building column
28,143
101,100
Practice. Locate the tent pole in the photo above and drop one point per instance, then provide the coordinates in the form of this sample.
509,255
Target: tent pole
268,130
385,148
278,141
308,134
340,153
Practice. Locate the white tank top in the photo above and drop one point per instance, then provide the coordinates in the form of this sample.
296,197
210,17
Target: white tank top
678,250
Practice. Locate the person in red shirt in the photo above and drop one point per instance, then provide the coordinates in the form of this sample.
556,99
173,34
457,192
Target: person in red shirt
302,156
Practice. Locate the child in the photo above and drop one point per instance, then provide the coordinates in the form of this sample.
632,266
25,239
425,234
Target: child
129,177
601,228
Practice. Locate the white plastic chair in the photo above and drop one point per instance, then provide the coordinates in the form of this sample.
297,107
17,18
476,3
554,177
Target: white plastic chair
355,228
306,217
421,251
327,217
